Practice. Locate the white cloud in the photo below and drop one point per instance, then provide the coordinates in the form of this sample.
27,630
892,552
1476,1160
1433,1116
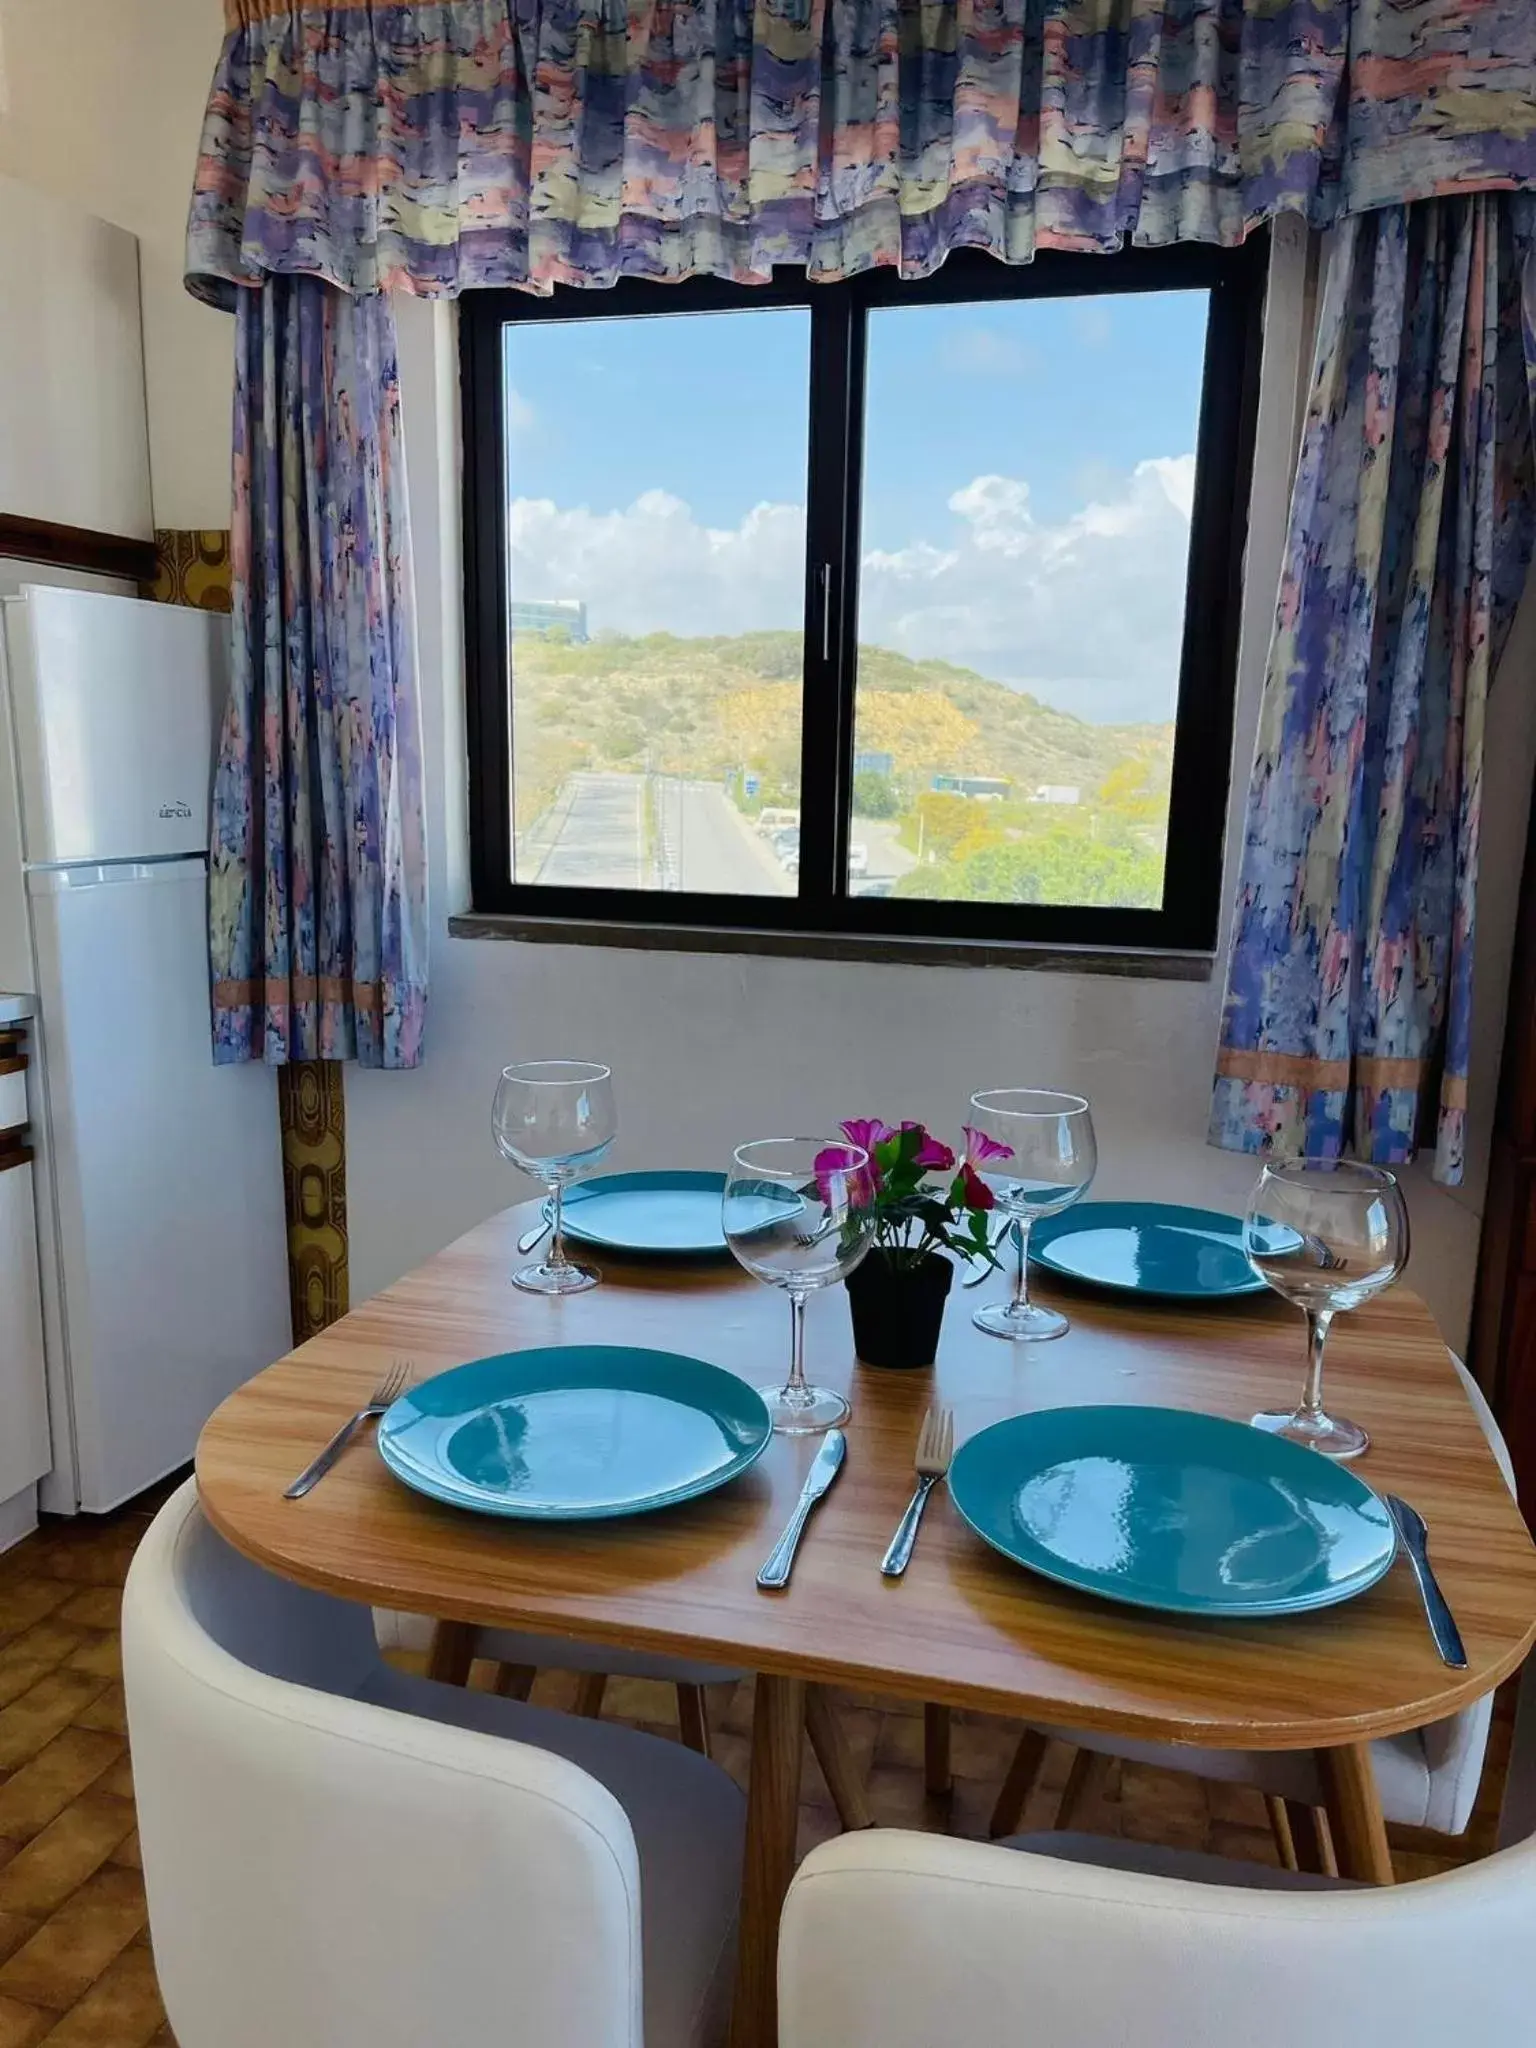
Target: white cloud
520,414
987,352
1085,612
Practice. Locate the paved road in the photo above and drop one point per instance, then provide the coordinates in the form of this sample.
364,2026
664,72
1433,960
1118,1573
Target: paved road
598,837
704,845
707,846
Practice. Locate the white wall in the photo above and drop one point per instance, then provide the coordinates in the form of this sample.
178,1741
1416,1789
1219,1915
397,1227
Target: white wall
708,1049
101,102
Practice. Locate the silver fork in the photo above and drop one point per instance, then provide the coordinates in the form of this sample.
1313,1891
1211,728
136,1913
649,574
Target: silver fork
389,1389
935,1448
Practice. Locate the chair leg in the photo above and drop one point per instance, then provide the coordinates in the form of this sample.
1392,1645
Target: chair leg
938,1777
1088,1772
692,1718
1019,1783
835,1758
1280,1828
1311,1837
590,1688
514,1681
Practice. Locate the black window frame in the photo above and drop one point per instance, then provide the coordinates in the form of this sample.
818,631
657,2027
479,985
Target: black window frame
823,909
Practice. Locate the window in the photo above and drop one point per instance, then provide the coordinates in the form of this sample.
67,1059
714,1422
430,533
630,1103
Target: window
871,609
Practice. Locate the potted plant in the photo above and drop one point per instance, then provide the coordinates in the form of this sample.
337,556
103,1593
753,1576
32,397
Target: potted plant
898,1291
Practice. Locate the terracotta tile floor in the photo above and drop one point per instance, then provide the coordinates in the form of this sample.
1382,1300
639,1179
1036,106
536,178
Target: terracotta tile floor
75,1966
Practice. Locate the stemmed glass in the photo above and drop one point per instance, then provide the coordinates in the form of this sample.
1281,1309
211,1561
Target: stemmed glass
799,1213
1326,1237
555,1119
1035,1149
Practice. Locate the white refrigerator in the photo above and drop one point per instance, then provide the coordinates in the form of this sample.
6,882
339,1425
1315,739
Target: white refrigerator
159,1175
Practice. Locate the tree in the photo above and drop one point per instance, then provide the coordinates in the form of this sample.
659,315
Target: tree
874,796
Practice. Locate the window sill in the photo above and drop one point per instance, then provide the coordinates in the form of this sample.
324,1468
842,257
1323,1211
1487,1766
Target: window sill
654,938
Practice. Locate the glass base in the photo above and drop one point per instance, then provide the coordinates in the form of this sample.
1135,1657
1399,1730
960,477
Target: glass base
1027,1323
805,1412
1330,1434
547,1279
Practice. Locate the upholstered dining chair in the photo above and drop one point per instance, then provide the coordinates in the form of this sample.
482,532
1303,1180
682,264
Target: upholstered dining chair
1427,1778
338,1853
520,1657
898,1940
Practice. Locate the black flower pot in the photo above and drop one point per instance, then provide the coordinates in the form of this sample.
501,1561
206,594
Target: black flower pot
898,1311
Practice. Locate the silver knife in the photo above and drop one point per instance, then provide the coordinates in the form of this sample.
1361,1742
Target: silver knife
1414,1537
829,1462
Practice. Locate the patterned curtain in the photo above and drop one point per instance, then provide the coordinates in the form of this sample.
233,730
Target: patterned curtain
1350,984
318,876
451,143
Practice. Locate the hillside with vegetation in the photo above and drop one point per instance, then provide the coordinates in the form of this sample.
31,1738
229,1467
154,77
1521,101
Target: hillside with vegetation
728,710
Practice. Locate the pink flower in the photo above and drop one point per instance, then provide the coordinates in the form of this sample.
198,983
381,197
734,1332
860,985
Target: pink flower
977,1194
932,1151
866,1132
979,1147
837,1160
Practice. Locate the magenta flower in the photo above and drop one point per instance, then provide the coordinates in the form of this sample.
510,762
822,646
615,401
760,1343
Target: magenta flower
977,1194
866,1132
979,1147
932,1151
834,1160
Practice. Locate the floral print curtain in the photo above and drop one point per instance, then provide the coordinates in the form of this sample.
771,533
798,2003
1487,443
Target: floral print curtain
1349,994
317,873
444,144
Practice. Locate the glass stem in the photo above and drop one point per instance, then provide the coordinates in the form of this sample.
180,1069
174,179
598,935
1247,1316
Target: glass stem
557,1260
796,1388
1020,1229
1318,1321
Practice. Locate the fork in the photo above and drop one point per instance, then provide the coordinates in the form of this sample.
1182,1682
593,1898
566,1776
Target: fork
389,1390
935,1448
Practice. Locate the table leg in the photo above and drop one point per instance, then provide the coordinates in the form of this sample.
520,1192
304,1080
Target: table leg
938,1778
1354,1813
773,1813
452,1652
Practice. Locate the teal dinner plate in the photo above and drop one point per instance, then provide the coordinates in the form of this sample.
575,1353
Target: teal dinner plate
648,1212
1162,1508
1149,1248
577,1433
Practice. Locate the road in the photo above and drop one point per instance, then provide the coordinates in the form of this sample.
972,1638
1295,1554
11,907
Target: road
708,846
702,843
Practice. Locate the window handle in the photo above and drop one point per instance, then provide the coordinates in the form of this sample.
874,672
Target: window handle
824,578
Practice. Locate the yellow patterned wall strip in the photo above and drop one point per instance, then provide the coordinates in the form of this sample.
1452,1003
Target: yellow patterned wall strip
313,1108
193,568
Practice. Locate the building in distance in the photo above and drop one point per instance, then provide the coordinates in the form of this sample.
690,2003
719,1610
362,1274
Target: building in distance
561,618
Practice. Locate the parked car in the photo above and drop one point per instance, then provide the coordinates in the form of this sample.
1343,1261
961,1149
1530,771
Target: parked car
858,859
881,886
774,820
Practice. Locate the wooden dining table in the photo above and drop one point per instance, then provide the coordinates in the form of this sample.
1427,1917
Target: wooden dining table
964,1628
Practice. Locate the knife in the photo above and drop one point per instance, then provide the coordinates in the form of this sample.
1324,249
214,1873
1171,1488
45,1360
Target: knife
1414,1538
829,1462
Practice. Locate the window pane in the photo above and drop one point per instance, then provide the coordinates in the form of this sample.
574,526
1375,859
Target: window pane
656,472
1029,475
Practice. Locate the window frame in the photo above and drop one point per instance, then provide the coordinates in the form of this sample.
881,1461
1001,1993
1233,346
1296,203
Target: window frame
1188,918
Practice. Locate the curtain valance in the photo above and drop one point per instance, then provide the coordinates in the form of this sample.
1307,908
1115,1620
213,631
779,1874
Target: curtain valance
436,146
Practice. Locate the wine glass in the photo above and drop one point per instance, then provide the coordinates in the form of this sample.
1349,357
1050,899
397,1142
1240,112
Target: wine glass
555,1119
1035,1149
800,1214
1327,1237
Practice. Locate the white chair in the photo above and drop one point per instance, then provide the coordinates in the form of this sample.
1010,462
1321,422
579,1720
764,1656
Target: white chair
1427,1778
897,1940
338,1855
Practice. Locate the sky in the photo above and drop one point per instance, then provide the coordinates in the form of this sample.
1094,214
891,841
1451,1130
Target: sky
1029,470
